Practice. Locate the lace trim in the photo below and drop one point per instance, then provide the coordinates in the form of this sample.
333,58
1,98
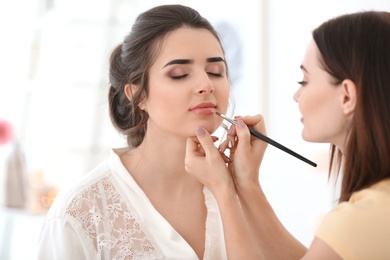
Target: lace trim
107,220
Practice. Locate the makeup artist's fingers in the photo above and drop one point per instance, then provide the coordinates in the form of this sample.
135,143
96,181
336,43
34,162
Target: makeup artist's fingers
231,136
196,141
215,138
250,151
207,166
206,141
222,149
223,146
244,137
192,148
230,139
256,122
194,157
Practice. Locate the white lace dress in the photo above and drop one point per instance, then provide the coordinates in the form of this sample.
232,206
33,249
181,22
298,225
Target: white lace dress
108,216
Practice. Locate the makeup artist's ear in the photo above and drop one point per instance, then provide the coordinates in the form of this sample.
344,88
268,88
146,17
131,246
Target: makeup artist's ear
130,91
349,96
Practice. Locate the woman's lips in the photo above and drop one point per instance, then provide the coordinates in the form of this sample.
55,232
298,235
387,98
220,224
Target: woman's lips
204,109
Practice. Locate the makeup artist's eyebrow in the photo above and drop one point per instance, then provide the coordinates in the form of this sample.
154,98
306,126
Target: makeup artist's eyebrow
303,68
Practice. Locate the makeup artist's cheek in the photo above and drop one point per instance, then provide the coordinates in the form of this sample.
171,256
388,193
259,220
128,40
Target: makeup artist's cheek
301,106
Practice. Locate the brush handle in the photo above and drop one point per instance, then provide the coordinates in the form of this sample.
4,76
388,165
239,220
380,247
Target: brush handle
270,141
281,147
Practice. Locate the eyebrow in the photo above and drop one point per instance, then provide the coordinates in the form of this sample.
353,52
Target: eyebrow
215,59
188,61
303,68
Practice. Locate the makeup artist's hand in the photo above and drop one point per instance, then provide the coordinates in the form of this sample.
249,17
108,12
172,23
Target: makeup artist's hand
204,161
246,151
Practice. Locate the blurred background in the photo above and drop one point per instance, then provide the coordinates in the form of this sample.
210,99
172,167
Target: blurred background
54,123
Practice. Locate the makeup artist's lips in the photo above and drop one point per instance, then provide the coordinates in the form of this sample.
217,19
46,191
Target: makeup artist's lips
204,108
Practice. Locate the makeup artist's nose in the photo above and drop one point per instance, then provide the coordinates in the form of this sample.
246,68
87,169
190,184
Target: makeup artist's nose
297,95
205,85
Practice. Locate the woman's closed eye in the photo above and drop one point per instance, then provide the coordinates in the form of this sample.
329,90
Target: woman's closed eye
182,76
178,72
176,77
215,74
215,70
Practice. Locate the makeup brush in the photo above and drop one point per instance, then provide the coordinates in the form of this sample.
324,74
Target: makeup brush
270,141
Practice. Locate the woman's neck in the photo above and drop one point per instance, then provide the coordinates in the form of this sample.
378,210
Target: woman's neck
159,164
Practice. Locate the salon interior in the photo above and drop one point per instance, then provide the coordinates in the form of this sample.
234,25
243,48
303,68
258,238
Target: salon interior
54,122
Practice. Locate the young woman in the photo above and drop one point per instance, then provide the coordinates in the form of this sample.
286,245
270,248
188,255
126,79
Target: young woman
167,77
344,100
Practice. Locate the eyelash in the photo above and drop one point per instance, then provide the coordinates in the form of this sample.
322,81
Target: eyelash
179,77
185,75
215,74
302,83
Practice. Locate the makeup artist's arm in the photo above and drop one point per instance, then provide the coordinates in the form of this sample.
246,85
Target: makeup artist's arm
272,237
206,163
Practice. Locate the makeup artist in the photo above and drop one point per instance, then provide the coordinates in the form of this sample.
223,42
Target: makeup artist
346,78
167,77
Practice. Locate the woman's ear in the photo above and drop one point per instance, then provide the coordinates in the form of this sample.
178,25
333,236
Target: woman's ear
130,91
349,96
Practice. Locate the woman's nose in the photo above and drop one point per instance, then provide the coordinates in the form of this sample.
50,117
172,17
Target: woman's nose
205,86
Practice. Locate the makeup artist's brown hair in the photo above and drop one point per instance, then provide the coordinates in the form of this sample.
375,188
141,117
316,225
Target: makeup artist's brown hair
131,60
357,47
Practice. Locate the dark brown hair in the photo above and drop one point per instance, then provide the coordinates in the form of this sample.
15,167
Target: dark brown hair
131,60
357,47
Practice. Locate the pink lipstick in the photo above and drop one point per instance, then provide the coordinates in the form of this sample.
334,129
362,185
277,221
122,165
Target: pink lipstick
205,108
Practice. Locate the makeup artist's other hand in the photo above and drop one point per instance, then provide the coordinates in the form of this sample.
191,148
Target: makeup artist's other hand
247,151
204,161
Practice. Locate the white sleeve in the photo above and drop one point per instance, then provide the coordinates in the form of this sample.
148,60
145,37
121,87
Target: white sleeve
59,240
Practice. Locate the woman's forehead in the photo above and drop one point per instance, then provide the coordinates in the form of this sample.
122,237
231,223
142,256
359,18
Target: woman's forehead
189,41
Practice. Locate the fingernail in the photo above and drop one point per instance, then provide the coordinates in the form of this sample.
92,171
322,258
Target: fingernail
230,144
240,123
200,131
230,130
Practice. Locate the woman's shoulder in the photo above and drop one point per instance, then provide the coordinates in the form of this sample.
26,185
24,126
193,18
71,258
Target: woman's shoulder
107,185
99,185
85,190
98,212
